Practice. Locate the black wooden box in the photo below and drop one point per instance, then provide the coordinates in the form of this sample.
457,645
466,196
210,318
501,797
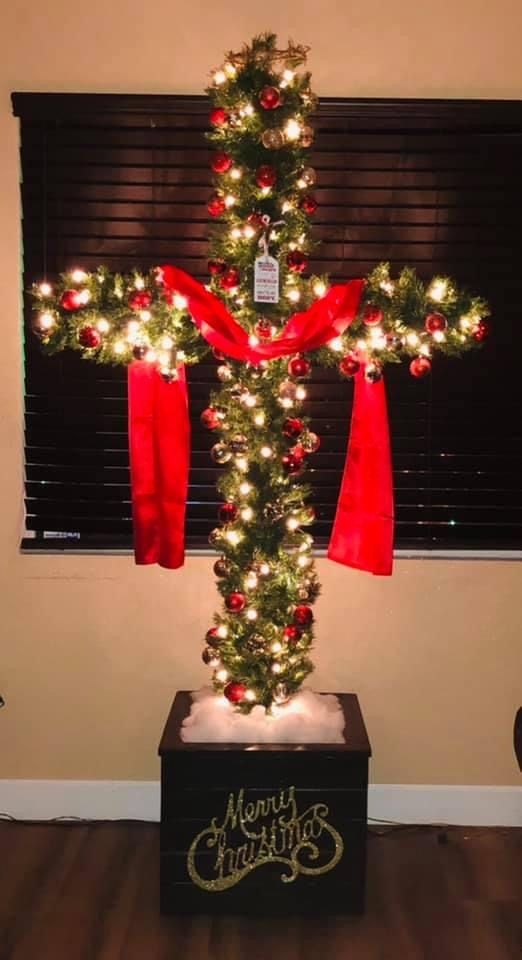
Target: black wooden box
275,828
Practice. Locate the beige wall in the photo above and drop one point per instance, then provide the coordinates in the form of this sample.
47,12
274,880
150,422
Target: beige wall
92,648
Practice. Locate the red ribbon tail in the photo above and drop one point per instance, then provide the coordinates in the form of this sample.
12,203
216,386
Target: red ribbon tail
159,444
362,534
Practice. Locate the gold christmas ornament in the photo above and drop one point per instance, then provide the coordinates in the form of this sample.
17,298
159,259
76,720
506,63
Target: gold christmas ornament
272,139
307,136
309,176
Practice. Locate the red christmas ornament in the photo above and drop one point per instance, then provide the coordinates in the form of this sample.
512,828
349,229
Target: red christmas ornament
372,316
291,633
71,300
221,162
89,337
230,279
296,261
435,322
303,615
210,419
213,639
292,463
309,204
255,219
263,329
228,512
299,367
216,267
140,300
216,205
266,176
298,451
219,117
292,427
235,602
270,98
420,366
349,365
235,692
481,331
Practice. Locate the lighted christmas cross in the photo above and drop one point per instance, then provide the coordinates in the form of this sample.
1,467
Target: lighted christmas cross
156,322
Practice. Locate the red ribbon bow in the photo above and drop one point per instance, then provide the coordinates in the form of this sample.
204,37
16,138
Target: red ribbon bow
362,534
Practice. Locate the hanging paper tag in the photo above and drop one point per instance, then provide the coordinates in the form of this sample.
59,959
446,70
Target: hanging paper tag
266,280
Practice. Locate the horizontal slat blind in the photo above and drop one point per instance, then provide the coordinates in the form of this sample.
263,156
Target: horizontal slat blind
123,180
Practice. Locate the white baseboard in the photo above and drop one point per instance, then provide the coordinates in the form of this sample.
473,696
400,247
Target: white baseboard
140,800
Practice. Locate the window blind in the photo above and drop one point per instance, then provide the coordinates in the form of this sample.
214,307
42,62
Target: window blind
124,179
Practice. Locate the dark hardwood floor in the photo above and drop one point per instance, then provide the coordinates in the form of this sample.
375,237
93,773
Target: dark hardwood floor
90,892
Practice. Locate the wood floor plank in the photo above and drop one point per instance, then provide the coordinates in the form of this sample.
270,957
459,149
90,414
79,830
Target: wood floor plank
91,892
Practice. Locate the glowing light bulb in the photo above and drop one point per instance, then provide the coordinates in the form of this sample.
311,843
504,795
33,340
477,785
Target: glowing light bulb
319,288
264,569
301,184
438,290
276,647
222,675
292,129
388,287
465,322
425,351
286,403
139,283
292,523
250,696
266,452
103,325
233,537
181,355
300,393
222,631
276,668
167,342
303,561
336,345
235,233
253,340
236,173
294,296
439,336
230,69
251,614
287,206
412,339
248,110
133,328
265,191
84,297
249,232
180,302
45,321
220,77
242,464
45,289
247,514
145,315
151,356
79,276
119,348
245,488
230,200
251,581
259,419
250,400
288,75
